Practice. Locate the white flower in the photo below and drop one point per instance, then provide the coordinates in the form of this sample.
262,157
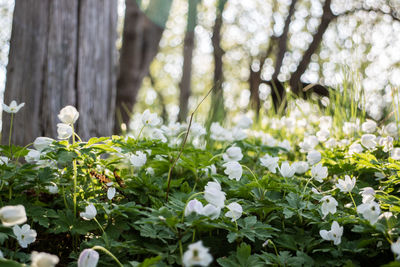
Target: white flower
32,156
235,211
395,153
42,259
219,133
318,172
12,215
386,142
286,170
1,255
308,143
138,159
396,248
300,167
196,129
111,192
322,135
347,184
214,195
211,211
270,162
325,122
234,170
329,205
68,115
64,131
90,212
355,148
368,194
369,126
391,129
232,154
237,134
13,107
157,134
150,171
313,157
194,206
150,119
285,144
243,122
368,141
335,234
379,175
41,143
4,160
25,235
53,188
197,254
370,211
331,143
88,258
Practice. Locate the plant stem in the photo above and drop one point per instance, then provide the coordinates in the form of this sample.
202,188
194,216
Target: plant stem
75,170
102,229
109,253
9,136
354,203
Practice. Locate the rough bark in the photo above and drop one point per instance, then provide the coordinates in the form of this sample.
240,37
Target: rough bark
140,41
188,46
217,107
62,52
326,19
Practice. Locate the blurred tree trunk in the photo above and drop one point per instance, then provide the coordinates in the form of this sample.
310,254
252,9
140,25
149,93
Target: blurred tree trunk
188,47
217,109
61,53
278,92
326,19
140,41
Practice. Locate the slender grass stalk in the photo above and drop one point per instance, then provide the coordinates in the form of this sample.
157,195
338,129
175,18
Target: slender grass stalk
352,199
75,172
9,136
104,232
109,254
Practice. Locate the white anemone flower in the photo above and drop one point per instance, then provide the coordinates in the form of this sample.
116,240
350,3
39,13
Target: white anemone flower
68,115
90,212
234,170
12,215
286,170
370,211
13,107
329,205
335,234
232,154
235,211
197,254
42,259
25,235
347,184
270,162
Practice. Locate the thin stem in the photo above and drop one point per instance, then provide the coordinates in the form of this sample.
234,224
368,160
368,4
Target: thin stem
137,138
255,179
305,187
9,136
218,155
104,232
75,170
182,146
353,200
109,253
180,248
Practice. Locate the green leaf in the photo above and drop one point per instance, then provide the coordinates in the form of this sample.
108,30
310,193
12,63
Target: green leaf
9,263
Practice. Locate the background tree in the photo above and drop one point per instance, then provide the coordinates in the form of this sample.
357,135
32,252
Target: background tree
61,53
140,43
188,47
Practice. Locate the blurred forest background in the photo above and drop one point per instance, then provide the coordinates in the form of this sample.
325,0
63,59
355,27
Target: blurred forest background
113,58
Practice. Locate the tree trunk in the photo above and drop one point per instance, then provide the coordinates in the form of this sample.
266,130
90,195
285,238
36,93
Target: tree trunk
188,47
141,36
217,110
326,19
278,92
61,53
